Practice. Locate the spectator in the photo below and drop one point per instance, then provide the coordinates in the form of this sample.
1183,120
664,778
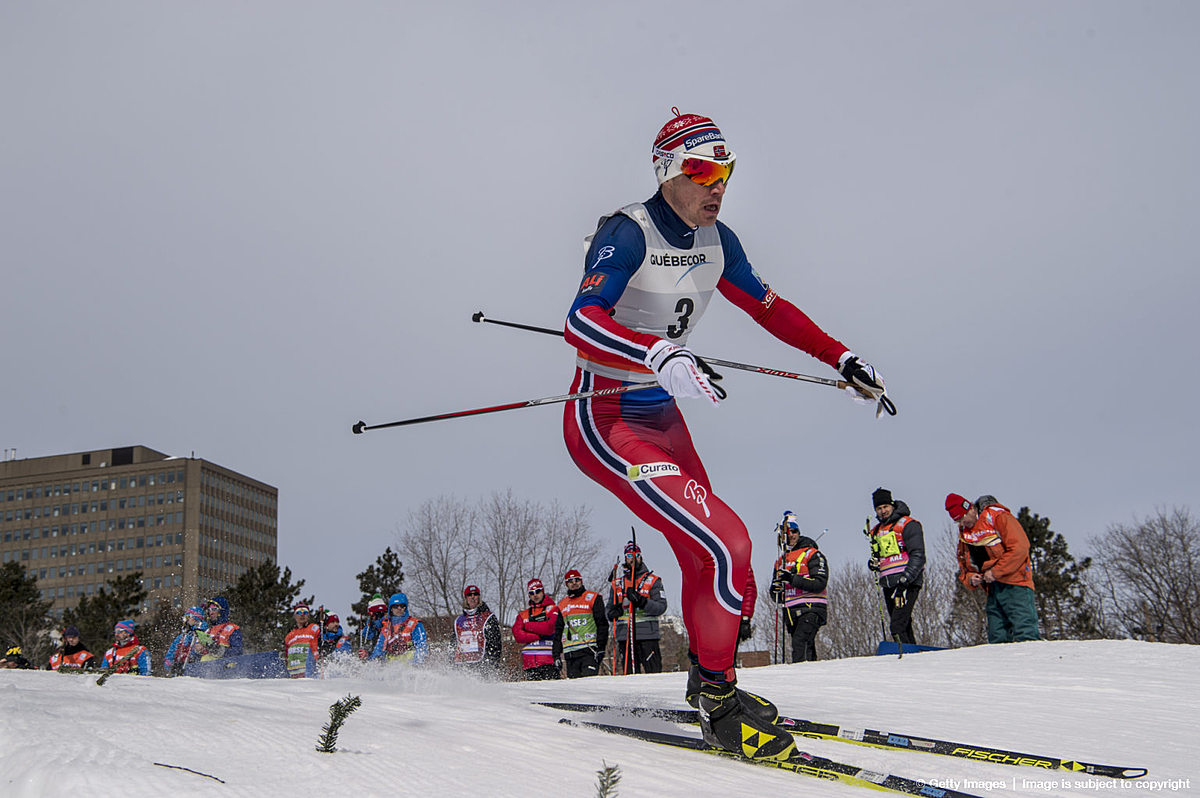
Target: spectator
898,556
638,586
126,653
301,644
222,639
993,553
585,628
180,651
402,637
801,575
73,655
368,636
477,634
333,639
13,659
538,628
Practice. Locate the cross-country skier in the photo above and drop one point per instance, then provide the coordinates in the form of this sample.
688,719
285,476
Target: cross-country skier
650,270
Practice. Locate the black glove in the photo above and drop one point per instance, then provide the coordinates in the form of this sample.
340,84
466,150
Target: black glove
614,611
861,375
638,600
873,564
744,631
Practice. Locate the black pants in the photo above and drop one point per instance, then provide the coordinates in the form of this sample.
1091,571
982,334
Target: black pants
648,659
803,628
581,663
900,602
542,672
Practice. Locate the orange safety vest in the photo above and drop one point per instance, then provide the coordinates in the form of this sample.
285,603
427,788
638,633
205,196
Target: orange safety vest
796,562
579,621
398,640
69,661
297,646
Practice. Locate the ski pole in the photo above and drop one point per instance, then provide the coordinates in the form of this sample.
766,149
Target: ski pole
362,426
885,403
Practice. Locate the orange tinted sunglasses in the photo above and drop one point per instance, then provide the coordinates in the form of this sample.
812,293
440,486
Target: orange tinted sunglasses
705,173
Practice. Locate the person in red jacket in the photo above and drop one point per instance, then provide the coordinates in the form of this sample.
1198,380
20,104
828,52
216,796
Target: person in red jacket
126,655
301,644
993,554
538,628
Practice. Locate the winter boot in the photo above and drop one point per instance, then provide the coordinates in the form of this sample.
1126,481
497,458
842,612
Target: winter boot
756,705
726,724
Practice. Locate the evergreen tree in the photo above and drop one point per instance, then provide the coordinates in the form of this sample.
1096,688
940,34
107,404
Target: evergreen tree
1064,611
385,577
261,604
96,615
24,617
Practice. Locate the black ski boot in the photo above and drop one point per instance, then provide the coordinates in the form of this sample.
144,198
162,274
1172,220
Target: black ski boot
726,724
756,705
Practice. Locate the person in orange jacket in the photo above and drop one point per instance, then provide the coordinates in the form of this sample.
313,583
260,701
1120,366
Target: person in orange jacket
993,554
73,655
126,655
538,628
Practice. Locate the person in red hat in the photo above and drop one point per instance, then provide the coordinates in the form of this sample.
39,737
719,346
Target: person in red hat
650,270
477,635
993,555
585,628
538,628
301,645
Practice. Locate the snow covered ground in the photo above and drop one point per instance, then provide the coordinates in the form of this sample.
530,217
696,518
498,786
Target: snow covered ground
434,733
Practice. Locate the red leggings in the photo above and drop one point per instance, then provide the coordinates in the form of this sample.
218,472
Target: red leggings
607,438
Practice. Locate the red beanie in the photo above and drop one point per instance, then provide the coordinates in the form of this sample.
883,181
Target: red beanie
572,574
534,584
957,506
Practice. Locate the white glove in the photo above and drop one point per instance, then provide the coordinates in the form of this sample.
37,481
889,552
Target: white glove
678,374
866,385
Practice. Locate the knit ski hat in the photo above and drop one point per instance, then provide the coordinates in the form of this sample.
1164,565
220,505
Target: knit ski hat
195,613
687,136
71,631
332,619
301,607
126,624
377,605
471,590
957,506
572,574
534,584
632,548
881,496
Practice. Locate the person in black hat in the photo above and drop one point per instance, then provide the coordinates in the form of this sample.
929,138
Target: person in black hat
12,659
898,558
73,654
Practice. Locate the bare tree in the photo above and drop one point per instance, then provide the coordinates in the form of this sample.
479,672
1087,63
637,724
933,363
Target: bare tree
499,544
1150,576
438,554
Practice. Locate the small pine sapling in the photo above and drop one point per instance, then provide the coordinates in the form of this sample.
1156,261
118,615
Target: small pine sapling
338,712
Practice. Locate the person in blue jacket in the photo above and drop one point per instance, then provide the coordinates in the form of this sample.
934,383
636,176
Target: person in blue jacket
179,653
223,638
402,636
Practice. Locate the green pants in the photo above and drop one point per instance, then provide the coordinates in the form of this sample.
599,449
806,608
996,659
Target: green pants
1011,614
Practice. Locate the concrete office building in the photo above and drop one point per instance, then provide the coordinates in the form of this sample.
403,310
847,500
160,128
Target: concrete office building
191,527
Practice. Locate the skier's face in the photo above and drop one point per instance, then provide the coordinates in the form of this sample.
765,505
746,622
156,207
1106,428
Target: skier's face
697,205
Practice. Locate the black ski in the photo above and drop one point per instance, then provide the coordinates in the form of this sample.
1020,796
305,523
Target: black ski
881,739
799,762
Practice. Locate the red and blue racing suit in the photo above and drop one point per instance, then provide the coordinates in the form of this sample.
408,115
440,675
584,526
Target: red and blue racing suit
649,276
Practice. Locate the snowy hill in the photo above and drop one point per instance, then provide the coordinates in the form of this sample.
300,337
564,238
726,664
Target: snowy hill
433,733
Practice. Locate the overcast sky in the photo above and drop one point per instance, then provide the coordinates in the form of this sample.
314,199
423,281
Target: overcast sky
236,229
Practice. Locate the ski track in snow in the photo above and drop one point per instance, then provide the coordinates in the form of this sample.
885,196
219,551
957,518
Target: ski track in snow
432,732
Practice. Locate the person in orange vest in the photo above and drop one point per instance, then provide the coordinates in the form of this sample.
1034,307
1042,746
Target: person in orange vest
585,628
301,644
801,575
126,654
898,556
402,636
477,635
223,638
634,583
538,628
993,554
73,655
